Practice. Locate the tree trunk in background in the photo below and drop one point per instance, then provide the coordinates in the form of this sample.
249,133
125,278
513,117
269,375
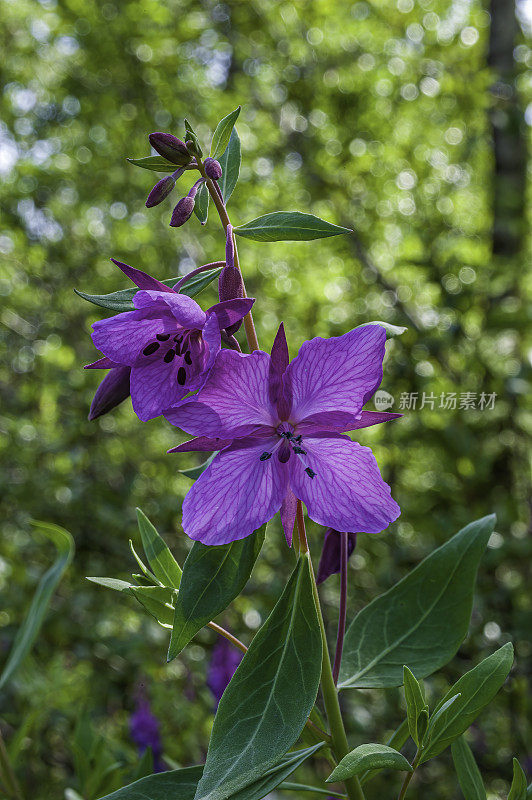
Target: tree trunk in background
509,143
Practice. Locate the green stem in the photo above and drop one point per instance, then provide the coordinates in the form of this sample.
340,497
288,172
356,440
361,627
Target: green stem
339,742
409,776
7,773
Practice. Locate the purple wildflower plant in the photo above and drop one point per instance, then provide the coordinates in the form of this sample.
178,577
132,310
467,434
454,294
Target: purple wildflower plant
168,342
280,429
144,729
224,661
330,559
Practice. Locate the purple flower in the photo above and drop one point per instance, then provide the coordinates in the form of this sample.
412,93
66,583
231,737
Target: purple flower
279,427
144,730
331,553
224,661
112,391
168,341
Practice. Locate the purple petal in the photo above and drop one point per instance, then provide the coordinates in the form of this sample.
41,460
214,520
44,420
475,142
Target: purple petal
342,421
141,279
279,392
228,312
233,402
224,661
288,515
111,392
236,494
331,553
184,309
336,374
347,492
201,444
154,387
102,363
123,336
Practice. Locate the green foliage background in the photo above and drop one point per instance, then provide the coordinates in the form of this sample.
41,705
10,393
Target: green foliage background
377,116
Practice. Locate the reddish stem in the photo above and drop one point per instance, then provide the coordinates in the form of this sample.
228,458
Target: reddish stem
343,608
214,265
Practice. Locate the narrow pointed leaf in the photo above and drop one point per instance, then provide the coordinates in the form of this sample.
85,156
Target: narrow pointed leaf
368,756
164,566
155,163
123,299
274,776
201,204
431,604
270,696
415,702
112,583
150,577
230,163
518,789
177,783
477,688
212,578
289,786
284,226
29,629
194,472
468,773
222,134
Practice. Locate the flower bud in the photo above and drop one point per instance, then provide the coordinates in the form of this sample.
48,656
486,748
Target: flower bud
182,212
112,391
170,147
331,553
160,191
213,169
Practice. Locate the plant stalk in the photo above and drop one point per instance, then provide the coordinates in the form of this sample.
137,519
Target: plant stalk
7,773
340,745
342,614
409,776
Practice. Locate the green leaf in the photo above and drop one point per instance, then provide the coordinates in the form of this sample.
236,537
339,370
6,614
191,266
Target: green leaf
274,776
396,740
31,625
177,783
193,137
201,204
391,330
144,767
477,688
468,773
164,566
368,756
284,226
441,710
266,704
212,578
518,789
289,786
161,607
112,583
230,163
194,472
123,299
155,163
222,134
422,620
415,703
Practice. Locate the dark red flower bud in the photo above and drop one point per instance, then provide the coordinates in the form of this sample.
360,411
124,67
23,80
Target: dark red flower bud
170,147
160,191
111,392
213,169
230,284
182,212
330,555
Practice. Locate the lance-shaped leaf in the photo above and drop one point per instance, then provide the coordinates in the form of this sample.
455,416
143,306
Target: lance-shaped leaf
222,134
275,775
154,163
476,688
230,163
283,226
290,786
266,704
201,204
416,708
163,564
422,620
158,601
123,299
194,472
468,773
29,629
518,789
212,578
368,756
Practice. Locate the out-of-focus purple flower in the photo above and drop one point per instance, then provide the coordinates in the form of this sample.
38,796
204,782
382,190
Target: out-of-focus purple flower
168,342
144,729
112,391
170,147
282,426
185,207
331,553
224,661
212,168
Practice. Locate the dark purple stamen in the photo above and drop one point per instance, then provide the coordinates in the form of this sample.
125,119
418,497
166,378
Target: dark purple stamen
265,456
151,348
188,358
169,356
181,376
310,472
163,337
178,339
299,451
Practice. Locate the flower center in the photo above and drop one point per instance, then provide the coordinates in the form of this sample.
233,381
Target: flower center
288,443
185,346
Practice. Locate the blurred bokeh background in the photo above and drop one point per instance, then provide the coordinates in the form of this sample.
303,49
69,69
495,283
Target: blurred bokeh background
406,120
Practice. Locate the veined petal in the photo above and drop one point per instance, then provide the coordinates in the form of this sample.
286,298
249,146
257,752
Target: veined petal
346,492
154,387
102,363
236,494
233,402
185,310
211,343
336,374
201,444
341,421
122,337
228,312
140,278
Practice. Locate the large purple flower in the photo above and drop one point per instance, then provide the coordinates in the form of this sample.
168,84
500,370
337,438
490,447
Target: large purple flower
279,429
168,341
